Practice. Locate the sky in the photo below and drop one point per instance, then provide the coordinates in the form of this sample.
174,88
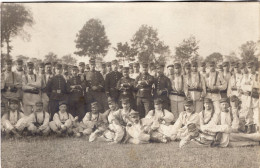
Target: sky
220,27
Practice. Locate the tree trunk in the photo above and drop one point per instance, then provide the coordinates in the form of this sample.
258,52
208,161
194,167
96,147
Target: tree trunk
7,48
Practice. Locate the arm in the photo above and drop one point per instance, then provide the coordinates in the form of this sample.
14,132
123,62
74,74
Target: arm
169,117
68,122
57,120
46,120
222,84
25,84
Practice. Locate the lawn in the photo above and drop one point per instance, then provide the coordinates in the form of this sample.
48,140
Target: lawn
50,152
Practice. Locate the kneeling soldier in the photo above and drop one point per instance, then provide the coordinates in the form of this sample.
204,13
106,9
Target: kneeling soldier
38,122
14,121
62,120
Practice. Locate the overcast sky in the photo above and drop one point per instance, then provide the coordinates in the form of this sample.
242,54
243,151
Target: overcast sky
220,27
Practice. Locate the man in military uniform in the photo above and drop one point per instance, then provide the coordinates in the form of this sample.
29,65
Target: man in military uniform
96,90
187,70
195,88
66,72
82,71
131,70
87,68
136,67
109,68
120,68
20,73
10,83
235,82
31,89
170,70
227,75
103,70
125,85
143,83
54,68
43,94
111,81
162,87
48,71
202,69
56,90
76,95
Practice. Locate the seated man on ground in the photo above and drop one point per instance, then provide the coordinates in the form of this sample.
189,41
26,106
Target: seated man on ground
160,122
62,121
38,122
13,121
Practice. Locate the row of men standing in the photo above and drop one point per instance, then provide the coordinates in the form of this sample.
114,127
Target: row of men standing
81,87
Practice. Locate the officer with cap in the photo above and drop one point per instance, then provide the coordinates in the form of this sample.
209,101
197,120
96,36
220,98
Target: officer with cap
111,81
57,90
120,68
44,79
143,84
195,87
96,89
125,85
10,83
177,95
76,95
162,86
187,69
31,89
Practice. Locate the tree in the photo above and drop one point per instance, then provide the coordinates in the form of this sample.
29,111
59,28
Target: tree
217,57
248,51
147,45
125,52
92,39
22,57
14,17
187,49
231,57
51,57
68,59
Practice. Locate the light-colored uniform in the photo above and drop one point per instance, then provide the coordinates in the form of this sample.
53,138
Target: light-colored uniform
59,119
137,133
215,80
13,120
39,122
30,82
234,84
195,88
43,95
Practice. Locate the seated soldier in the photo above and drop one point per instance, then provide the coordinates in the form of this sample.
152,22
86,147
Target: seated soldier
179,129
135,131
113,132
161,120
208,112
13,121
38,122
62,121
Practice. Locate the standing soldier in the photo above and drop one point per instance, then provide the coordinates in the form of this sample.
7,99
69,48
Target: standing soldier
48,71
31,90
144,83
66,72
227,75
202,69
214,84
76,98
10,84
20,73
177,95
56,90
53,68
195,87
125,85
170,70
43,94
235,82
111,81
162,87
109,68
96,90
87,68
82,71
103,70
242,67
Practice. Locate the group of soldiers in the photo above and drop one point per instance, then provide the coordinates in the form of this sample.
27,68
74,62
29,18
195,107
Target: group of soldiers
135,103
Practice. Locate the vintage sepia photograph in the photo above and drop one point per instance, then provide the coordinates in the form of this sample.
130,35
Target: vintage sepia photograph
130,85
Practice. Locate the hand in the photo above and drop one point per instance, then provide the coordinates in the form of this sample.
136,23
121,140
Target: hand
94,88
72,87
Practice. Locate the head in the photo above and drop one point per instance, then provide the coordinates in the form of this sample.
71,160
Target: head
92,64
134,116
48,68
160,69
30,66
114,65
203,67
13,104
8,65
187,68
125,72
109,68
42,68
59,69
112,104
208,105
251,67
103,67
158,104
194,66
225,66
212,66
82,67
126,104
19,64
170,69
136,67
38,106
189,106
224,105
66,69
94,108
63,107
75,71
144,68
177,68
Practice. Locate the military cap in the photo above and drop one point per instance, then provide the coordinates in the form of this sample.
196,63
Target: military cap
136,64
108,64
39,103
75,68
177,64
225,64
58,66
114,62
30,64
94,103
62,103
110,100
188,102
47,63
13,101
187,64
133,113
212,63
92,61
202,64
223,100
250,64
9,61
144,65
170,65
41,65
234,98
81,64
131,65
125,69
125,101
20,61
160,65
192,127
194,63
207,100
158,101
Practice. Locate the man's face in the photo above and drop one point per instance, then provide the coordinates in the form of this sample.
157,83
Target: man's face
189,108
251,69
158,106
225,68
203,68
13,106
109,68
144,70
170,70
9,67
126,73
81,68
160,70
114,67
30,70
63,108
59,71
38,108
19,66
112,105
212,68
92,67
224,106
177,70
75,72
234,104
235,69
187,69
194,69
94,109
208,106
125,106
42,70
48,68
136,68
135,119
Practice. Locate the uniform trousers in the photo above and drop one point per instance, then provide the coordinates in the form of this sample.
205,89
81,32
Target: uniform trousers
144,105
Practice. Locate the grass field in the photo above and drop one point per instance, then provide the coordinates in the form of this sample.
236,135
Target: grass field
50,152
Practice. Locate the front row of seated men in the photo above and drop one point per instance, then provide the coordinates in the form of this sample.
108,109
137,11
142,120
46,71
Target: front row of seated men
125,125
